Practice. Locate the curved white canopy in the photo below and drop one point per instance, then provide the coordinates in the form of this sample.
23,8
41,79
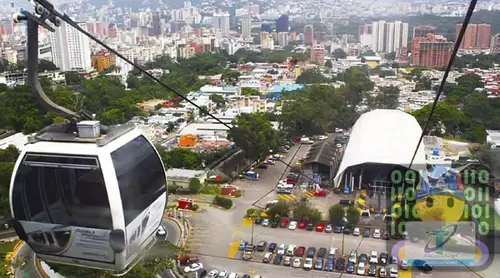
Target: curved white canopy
386,137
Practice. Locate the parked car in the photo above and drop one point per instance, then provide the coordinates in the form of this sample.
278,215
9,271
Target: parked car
193,267
213,273
278,259
366,232
363,258
350,268
329,228
393,271
292,226
310,226
382,272
383,259
300,251
386,235
376,233
319,264
308,264
422,265
340,264
281,249
322,253
339,229
243,245
297,262
372,270
258,221
274,224
265,222
272,247
320,227
223,274
284,222
355,232
373,257
404,264
361,269
267,257
310,252
261,246
287,261
161,231
394,260
347,230
302,224
329,264
353,256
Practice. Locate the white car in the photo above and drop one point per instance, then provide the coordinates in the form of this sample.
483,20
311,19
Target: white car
404,264
265,222
281,249
161,231
376,233
393,271
223,274
361,269
355,232
278,156
308,264
338,130
233,275
193,267
374,257
292,225
338,146
213,273
297,262
383,272
322,137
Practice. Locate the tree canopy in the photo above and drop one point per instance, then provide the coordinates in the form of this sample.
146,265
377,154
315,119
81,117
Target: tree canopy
313,77
254,134
339,53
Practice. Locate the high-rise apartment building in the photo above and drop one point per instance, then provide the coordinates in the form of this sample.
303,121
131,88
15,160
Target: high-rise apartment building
70,48
283,38
282,24
495,44
476,36
221,23
423,30
308,34
246,26
318,54
156,22
382,36
431,51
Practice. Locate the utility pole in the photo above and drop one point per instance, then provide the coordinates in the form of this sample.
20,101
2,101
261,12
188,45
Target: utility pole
343,243
253,225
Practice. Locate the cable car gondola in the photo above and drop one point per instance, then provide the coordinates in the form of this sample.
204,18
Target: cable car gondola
83,195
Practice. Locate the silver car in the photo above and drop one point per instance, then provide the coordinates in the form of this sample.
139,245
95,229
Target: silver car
329,228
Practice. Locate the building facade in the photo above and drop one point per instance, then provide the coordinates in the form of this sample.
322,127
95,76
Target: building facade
70,48
431,51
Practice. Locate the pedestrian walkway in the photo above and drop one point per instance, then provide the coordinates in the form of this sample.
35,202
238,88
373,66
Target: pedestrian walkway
287,197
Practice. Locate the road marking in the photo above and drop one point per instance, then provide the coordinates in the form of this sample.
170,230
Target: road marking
287,197
309,194
233,249
402,256
251,271
405,273
247,222
333,240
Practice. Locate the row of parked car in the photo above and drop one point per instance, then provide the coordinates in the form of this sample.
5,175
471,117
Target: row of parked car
330,260
327,228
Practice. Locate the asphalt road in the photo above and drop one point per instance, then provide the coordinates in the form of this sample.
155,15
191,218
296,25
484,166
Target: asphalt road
7,235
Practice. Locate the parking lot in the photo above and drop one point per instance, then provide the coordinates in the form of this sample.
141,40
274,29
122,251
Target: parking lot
216,234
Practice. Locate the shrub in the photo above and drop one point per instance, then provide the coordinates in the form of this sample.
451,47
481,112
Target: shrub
238,193
251,212
210,190
223,202
196,207
172,189
195,185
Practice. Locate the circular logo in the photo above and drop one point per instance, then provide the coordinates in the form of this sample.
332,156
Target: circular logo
440,196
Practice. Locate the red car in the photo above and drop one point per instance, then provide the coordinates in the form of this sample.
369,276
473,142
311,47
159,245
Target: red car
300,251
320,227
285,222
302,224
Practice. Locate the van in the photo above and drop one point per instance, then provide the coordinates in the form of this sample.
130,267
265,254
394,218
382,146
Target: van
291,250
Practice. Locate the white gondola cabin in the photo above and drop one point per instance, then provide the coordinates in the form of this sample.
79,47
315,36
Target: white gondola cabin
93,202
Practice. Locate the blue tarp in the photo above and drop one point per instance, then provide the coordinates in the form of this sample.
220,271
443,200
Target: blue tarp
441,180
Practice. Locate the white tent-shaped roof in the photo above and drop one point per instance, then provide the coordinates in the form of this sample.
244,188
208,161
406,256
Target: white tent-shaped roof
386,137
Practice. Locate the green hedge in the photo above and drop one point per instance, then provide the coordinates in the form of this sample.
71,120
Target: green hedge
223,202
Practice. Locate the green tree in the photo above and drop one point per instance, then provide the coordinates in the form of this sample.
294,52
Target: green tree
249,92
195,185
8,159
352,216
218,100
470,81
180,158
339,53
445,115
281,209
313,77
254,134
358,83
388,98
336,214
73,78
328,64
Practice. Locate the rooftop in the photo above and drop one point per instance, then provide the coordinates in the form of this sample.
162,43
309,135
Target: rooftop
183,174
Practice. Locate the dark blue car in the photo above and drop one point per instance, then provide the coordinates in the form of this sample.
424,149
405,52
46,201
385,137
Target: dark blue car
272,247
350,267
329,264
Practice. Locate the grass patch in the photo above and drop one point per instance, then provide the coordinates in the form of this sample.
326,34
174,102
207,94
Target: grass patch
211,190
7,247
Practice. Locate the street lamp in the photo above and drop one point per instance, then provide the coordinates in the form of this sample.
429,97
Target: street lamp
253,225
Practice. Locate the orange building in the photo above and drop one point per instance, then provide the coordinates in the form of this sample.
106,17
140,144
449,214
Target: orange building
188,141
431,51
103,60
